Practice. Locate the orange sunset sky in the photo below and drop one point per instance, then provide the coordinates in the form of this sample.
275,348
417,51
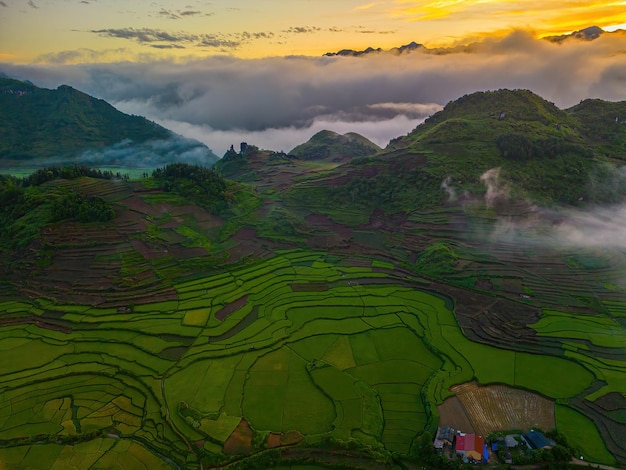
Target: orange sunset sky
71,31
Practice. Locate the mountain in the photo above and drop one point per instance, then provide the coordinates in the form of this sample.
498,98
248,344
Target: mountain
548,154
370,50
352,52
328,145
39,126
586,34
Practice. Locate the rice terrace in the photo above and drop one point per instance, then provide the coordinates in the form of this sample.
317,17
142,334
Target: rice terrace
289,312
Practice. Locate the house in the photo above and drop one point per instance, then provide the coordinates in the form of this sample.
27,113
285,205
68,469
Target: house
470,446
536,440
444,438
510,441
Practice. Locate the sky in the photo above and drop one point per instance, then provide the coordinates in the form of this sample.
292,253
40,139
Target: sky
229,71
51,30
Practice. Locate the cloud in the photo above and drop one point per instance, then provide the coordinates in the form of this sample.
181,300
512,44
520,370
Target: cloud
289,96
193,13
497,189
596,227
3,4
145,35
150,36
167,46
32,4
286,138
209,40
149,154
168,14
600,227
302,29
178,14
82,55
593,227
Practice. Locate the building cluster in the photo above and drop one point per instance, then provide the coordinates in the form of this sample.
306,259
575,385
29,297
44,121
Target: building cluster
472,448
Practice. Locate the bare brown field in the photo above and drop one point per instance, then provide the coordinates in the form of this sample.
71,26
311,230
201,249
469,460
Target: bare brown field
240,441
273,440
223,313
452,413
496,408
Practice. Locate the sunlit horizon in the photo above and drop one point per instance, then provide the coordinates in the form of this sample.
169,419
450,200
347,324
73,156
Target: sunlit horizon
90,32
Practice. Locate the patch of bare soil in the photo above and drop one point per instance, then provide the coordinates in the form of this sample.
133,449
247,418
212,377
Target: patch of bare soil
452,413
273,440
240,441
499,407
250,245
291,438
223,313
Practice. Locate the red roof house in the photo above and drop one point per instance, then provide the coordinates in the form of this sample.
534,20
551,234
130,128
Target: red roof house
470,446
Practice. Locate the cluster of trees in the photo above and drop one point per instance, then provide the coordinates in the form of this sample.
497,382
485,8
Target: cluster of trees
202,186
558,453
51,173
438,259
75,206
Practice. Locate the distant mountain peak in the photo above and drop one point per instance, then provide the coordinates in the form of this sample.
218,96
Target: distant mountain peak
587,34
396,50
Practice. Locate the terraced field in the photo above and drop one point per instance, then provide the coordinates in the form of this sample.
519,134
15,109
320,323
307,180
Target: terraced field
304,345
173,337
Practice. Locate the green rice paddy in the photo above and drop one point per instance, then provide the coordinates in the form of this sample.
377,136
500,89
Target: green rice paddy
300,342
582,434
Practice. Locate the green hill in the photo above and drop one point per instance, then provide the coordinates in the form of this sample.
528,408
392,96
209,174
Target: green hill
39,126
328,145
548,154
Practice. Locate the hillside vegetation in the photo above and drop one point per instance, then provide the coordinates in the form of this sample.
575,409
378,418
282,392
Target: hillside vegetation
53,126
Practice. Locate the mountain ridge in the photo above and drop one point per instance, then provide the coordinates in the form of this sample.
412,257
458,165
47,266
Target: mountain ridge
43,126
589,33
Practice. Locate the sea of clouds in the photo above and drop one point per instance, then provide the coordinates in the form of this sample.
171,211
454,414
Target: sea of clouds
278,103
